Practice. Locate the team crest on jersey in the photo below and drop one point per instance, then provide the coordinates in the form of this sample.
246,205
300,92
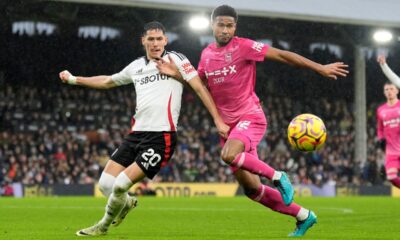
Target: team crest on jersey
228,57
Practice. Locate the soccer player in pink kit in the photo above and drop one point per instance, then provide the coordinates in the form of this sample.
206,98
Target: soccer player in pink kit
388,124
229,67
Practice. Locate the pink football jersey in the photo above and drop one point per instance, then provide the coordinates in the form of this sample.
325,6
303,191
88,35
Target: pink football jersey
230,72
388,121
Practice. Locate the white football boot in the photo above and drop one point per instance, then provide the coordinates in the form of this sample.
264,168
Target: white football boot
130,204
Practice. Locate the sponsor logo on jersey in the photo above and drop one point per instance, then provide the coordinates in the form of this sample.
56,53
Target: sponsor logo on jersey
188,68
224,71
392,122
153,78
257,46
218,80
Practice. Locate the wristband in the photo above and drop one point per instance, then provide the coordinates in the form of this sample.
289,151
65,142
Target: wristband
71,80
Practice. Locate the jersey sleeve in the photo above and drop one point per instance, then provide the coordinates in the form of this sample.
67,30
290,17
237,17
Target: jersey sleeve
201,70
186,69
390,74
252,50
122,78
379,126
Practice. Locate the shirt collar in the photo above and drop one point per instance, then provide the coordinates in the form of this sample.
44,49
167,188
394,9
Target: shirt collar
148,60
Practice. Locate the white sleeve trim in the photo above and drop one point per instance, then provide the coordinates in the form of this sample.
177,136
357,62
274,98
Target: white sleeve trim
390,74
118,83
186,69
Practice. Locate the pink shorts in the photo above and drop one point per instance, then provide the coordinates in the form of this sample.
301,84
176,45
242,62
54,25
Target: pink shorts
250,129
392,165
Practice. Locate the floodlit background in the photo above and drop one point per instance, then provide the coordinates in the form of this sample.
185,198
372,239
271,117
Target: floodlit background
59,137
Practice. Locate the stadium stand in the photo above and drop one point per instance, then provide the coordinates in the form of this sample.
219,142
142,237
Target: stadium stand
52,133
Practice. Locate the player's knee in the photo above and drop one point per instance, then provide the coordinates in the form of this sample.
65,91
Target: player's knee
227,156
105,188
106,183
250,192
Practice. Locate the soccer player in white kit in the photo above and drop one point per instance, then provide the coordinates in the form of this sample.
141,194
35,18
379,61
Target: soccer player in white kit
151,141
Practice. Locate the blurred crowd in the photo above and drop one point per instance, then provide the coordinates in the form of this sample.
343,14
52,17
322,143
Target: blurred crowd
66,136
56,133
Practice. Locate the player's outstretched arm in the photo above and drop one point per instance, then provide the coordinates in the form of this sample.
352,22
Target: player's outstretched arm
197,84
395,79
331,71
99,82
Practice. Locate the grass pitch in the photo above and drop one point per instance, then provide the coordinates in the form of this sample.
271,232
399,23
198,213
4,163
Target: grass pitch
199,218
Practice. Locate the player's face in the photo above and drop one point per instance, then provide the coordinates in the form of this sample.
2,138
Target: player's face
154,42
390,91
224,28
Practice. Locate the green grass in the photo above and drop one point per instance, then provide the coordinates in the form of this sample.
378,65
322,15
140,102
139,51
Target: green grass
200,218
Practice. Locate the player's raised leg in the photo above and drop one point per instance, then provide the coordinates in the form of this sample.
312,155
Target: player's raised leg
233,154
272,199
251,163
240,151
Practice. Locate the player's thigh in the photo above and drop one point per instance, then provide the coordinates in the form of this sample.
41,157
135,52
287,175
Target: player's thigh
134,173
247,180
125,154
249,130
113,168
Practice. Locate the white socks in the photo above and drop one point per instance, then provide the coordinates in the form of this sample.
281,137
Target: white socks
303,214
106,182
277,175
117,199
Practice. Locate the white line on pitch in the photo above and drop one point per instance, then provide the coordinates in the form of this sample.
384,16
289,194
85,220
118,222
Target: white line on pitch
343,210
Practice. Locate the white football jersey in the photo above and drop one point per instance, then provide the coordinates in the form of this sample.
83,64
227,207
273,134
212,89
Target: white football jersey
158,96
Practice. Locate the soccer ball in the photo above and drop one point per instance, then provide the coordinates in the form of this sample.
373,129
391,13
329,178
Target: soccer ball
307,132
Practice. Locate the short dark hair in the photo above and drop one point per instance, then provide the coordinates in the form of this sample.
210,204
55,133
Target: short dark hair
389,83
224,10
154,25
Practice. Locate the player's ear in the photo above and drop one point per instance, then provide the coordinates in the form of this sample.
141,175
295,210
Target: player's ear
143,39
166,40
